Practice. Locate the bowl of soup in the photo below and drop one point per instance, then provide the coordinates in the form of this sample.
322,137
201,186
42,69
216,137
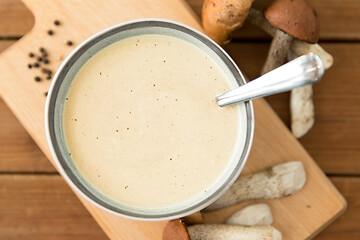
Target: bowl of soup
133,124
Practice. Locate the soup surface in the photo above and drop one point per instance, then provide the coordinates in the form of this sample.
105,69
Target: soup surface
142,124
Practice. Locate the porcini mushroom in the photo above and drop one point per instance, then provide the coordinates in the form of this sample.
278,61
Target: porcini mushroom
275,182
299,47
293,19
221,17
216,23
176,230
258,214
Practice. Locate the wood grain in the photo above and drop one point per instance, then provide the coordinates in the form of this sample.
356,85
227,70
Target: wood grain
15,19
43,207
271,136
338,19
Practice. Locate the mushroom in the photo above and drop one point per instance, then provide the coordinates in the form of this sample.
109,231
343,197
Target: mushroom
176,230
221,17
301,107
275,182
216,23
252,215
293,19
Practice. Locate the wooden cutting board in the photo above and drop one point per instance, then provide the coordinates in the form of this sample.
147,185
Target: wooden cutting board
300,216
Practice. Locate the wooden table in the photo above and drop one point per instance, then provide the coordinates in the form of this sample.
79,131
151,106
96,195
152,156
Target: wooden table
35,203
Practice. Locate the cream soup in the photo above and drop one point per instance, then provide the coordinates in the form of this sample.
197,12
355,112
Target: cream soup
142,124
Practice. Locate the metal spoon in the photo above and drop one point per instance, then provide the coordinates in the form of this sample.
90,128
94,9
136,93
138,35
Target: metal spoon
306,69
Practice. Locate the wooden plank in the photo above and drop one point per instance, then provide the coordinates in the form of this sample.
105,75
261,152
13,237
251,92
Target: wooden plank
43,207
334,140
337,18
15,19
270,139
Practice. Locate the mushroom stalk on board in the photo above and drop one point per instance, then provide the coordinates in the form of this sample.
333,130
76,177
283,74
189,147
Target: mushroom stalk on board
258,214
275,182
176,230
293,19
301,107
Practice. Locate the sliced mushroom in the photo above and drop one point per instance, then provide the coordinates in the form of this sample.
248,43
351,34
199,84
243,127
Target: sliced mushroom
176,230
276,182
221,17
292,18
253,215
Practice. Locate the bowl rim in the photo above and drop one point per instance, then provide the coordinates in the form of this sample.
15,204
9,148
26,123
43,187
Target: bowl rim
249,116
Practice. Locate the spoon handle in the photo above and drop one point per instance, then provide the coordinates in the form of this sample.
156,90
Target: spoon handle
306,69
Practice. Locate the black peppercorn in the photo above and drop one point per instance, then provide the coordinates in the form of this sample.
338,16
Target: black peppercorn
48,71
37,79
29,65
57,22
48,77
46,93
50,32
46,61
69,43
42,49
36,65
39,59
31,55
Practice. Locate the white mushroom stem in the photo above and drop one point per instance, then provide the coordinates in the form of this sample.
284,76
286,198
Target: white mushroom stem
299,47
301,108
275,182
253,215
232,232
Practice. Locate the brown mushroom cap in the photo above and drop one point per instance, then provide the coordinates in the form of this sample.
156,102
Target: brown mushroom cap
175,230
295,17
